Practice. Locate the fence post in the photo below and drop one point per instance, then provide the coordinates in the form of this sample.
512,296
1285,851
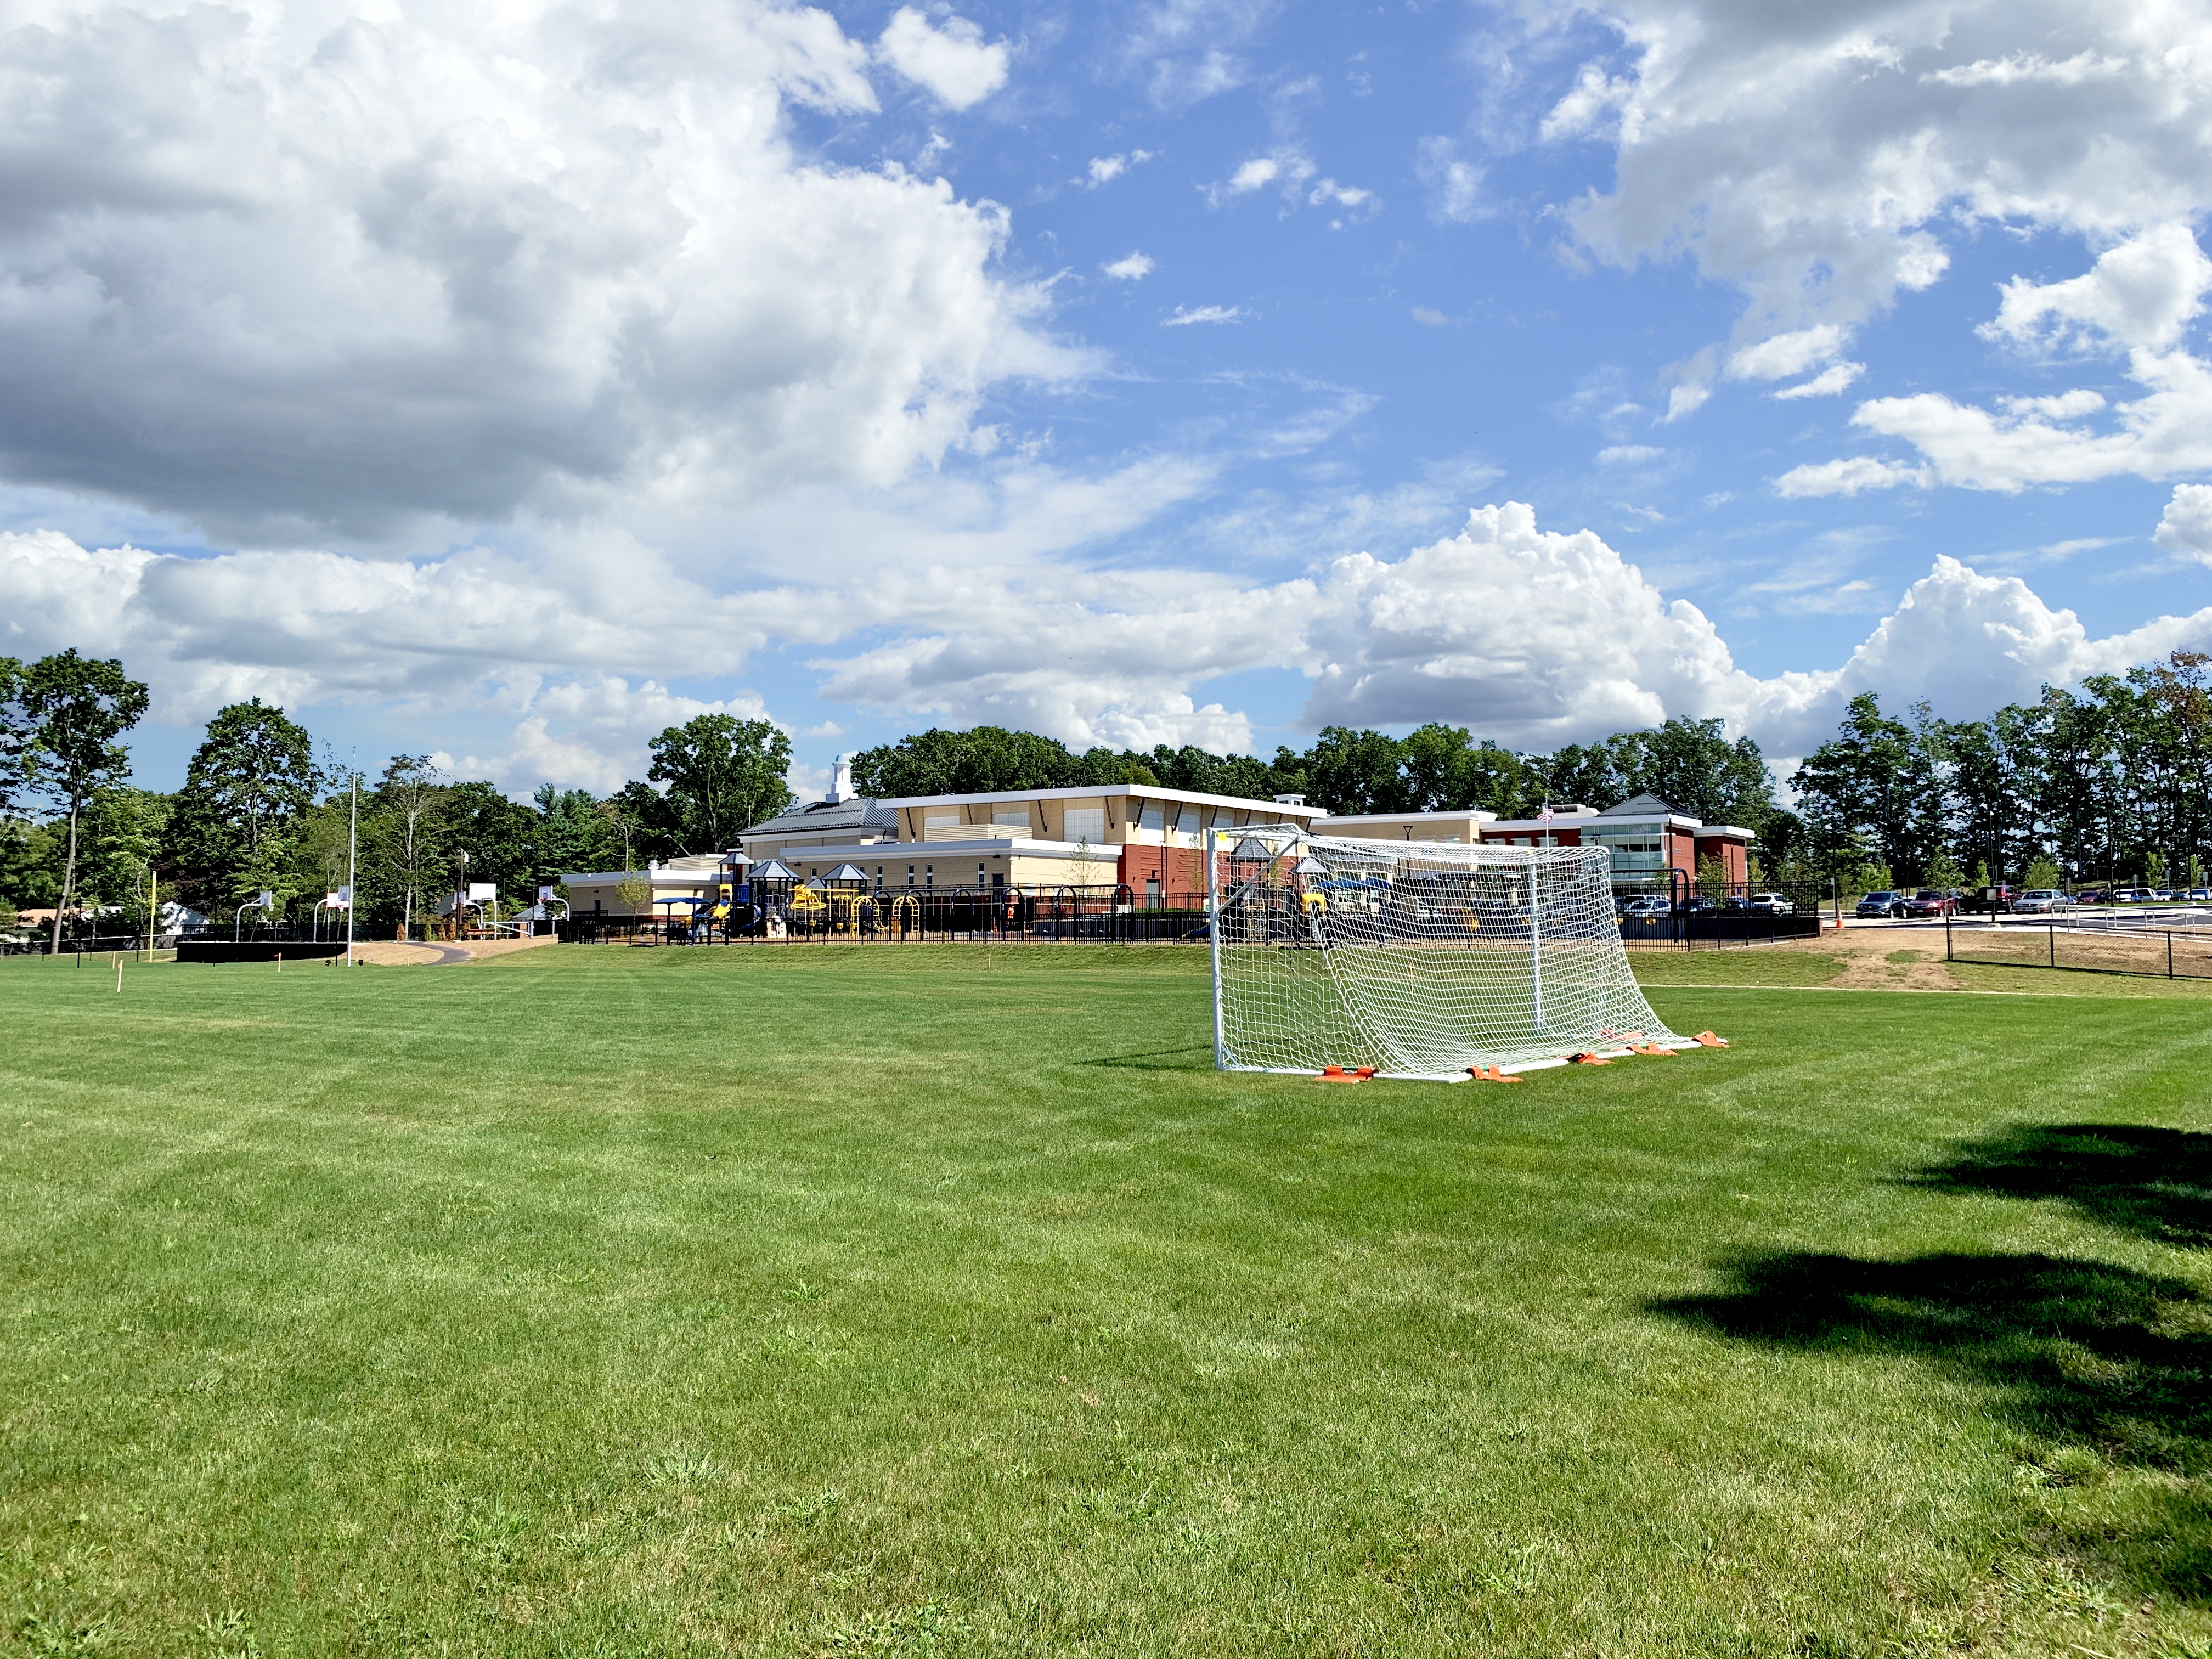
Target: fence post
2169,953
2053,930
1947,937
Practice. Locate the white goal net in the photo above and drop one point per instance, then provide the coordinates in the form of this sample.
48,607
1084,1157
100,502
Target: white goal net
1419,959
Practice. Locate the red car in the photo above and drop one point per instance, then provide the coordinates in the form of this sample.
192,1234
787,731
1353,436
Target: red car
1930,903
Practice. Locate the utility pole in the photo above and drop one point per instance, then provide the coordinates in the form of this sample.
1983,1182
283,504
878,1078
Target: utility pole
352,829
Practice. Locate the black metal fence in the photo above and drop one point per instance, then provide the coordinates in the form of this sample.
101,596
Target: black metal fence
911,916
1668,911
2083,944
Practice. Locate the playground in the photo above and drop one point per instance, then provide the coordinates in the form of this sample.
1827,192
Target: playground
945,1301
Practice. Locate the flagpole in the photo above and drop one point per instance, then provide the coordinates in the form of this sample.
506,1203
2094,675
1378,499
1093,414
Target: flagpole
353,825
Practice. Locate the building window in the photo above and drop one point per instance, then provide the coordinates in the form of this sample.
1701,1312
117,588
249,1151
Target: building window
1186,825
1017,817
1085,823
997,880
929,875
1151,892
1152,816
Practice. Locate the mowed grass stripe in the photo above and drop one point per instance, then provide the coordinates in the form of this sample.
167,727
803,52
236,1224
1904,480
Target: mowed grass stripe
946,1300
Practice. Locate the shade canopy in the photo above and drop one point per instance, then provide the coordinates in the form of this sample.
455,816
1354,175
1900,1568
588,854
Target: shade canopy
849,873
774,870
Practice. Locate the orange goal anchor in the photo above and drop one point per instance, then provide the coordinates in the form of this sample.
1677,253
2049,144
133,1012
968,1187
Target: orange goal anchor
1338,1074
1492,1074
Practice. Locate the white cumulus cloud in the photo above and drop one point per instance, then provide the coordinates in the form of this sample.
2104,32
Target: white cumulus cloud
446,264
1183,318
2186,526
1820,158
1132,268
1848,476
951,61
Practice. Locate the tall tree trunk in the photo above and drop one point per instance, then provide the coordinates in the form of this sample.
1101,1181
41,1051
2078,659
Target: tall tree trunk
68,877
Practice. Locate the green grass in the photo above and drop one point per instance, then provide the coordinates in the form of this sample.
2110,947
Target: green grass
944,1301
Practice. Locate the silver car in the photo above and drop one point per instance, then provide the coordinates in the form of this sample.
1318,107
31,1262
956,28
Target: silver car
2037,901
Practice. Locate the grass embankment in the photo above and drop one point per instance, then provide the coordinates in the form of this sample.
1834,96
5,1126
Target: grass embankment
944,1301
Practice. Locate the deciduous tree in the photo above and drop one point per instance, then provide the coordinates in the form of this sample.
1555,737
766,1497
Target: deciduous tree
74,709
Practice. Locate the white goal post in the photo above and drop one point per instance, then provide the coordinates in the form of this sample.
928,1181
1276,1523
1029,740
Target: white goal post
1421,959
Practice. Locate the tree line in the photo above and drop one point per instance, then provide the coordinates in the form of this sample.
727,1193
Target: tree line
263,809
2110,783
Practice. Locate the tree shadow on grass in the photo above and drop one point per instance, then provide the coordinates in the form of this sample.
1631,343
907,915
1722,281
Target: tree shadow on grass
1159,1059
2154,1183
2080,1352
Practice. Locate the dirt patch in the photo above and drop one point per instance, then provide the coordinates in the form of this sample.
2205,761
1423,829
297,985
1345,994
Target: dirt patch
1878,959
391,953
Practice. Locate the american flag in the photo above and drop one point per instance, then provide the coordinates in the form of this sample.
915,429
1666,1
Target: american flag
1545,817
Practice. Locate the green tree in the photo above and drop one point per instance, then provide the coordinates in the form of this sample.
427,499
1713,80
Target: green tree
30,863
1355,771
247,789
1693,767
124,830
574,834
2042,872
723,774
17,728
983,760
403,834
1712,878
71,710
499,835
1874,791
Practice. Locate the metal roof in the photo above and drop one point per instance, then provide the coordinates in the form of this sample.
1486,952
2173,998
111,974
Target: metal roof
862,813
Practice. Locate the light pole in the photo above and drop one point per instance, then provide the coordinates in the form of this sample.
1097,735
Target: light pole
352,829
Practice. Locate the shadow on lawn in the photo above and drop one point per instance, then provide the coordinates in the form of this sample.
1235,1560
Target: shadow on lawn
2083,1352
2155,1183
1159,1059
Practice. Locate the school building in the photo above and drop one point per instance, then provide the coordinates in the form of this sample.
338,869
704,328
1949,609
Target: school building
1142,837
1644,835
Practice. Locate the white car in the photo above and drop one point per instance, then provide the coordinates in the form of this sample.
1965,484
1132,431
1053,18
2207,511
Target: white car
1650,905
2039,900
1774,904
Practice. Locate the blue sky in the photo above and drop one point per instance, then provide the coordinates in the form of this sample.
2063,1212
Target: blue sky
507,388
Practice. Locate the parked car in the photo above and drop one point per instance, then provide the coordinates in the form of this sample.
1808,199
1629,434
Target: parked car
2090,896
1930,902
1883,903
1774,904
2039,900
1988,900
2130,895
2197,895
1648,905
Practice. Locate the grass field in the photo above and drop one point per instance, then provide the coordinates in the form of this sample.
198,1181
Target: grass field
944,1301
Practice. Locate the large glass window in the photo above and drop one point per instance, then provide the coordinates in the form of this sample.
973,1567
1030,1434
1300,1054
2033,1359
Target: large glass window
1085,823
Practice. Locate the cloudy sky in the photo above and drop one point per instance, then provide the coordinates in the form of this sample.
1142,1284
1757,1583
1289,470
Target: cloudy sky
509,381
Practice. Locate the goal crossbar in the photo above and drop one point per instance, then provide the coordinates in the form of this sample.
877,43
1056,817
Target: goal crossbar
1418,959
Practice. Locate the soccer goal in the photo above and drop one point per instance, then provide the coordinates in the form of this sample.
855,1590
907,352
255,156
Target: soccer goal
1421,959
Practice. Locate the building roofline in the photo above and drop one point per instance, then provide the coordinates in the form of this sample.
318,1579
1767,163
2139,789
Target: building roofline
1151,791
1479,814
921,852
